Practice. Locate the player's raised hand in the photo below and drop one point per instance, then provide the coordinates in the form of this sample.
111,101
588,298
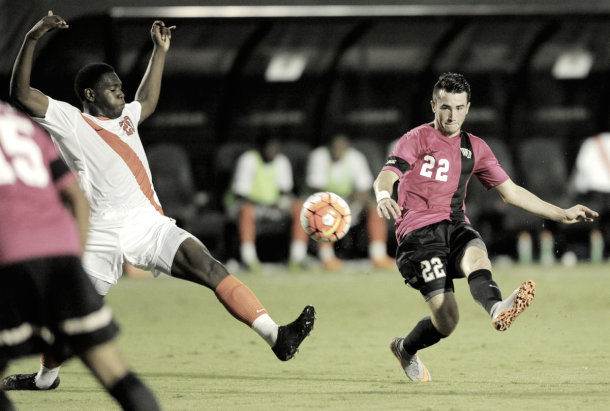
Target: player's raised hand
161,35
389,209
47,23
579,213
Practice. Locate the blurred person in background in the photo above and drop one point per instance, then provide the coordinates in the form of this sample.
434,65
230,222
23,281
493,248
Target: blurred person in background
590,181
127,225
261,190
48,303
343,170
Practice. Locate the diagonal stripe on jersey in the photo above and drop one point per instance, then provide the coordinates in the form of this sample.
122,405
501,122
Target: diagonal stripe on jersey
130,158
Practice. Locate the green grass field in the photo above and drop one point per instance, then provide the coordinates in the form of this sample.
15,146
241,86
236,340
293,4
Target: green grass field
195,356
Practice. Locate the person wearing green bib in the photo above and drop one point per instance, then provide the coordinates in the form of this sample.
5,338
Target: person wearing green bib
262,190
343,170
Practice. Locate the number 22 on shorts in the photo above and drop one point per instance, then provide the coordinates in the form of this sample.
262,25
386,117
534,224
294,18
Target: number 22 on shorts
432,269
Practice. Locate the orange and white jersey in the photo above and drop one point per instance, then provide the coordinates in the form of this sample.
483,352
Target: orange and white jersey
108,157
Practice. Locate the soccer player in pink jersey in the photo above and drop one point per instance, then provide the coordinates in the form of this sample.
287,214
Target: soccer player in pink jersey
102,145
46,300
433,164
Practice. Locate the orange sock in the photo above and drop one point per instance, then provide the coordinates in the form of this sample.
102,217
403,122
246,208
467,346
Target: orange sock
376,227
247,223
239,300
298,234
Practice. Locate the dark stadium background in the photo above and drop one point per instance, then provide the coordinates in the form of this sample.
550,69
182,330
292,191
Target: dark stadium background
369,72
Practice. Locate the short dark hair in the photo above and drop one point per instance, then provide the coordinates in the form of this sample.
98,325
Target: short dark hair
89,76
452,83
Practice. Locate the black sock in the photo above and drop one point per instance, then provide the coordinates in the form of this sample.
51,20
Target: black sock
484,289
134,395
5,403
423,335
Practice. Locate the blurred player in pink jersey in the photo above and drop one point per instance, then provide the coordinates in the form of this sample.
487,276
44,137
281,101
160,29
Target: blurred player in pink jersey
433,164
102,145
46,300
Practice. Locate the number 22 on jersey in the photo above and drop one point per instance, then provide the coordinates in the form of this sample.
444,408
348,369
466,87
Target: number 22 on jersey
441,171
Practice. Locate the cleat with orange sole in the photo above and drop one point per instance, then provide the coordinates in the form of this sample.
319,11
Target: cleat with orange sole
412,366
514,305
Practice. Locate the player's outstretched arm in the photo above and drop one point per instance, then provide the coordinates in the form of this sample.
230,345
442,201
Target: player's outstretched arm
522,198
31,100
383,186
150,87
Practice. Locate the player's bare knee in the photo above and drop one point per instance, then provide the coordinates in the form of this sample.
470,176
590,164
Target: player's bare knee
475,259
214,272
481,263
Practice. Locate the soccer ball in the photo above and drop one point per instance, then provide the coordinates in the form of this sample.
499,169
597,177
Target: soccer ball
326,217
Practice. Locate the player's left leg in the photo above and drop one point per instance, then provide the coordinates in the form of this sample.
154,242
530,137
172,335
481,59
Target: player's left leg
193,262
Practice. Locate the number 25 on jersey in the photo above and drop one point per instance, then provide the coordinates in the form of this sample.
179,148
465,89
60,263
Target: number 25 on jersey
27,162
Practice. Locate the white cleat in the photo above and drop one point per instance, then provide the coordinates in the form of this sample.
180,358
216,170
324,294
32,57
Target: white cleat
413,367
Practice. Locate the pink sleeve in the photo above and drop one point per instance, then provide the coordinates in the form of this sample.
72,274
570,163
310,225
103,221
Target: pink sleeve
487,169
62,176
404,154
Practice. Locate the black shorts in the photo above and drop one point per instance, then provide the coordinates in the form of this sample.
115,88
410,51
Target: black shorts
429,258
49,305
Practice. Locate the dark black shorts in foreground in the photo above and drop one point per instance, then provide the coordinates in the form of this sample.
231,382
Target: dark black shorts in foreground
429,258
49,305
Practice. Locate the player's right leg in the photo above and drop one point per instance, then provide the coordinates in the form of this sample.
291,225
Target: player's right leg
107,364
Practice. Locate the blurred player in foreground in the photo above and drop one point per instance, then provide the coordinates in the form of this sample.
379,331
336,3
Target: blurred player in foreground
101,144
46,300
433,164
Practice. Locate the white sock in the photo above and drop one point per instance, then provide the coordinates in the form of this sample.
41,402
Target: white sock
326,253
298,250
248,253
266,328
46,376
377,249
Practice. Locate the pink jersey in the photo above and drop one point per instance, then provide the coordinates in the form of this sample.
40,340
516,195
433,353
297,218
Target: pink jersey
434,171
33,220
